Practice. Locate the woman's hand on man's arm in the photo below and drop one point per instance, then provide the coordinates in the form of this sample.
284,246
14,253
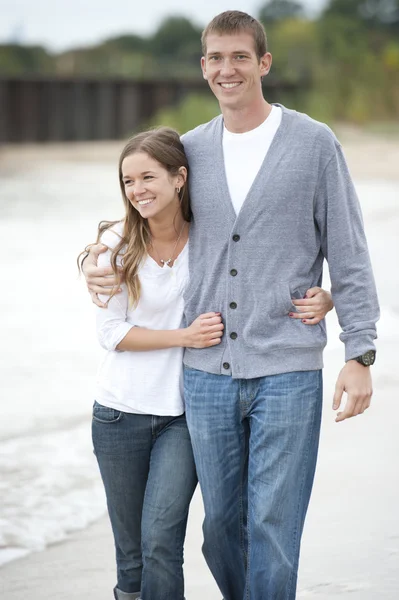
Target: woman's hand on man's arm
205,331
314,307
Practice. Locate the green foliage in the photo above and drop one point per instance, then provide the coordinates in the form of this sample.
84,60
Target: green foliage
100,61
295,47
374,13
343,8
21,60
193,110
127,43
390,56
357,62
173,49
383,12
342,39
278,10
177,37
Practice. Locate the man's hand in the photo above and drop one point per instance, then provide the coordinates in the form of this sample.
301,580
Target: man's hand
355,380
100,280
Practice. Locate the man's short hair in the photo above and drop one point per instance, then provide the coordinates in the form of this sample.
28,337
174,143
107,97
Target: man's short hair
231,22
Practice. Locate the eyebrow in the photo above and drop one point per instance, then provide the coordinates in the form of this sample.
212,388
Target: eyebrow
143,173
216,53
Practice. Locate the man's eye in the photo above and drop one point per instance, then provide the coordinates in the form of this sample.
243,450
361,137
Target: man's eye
240,56
213,58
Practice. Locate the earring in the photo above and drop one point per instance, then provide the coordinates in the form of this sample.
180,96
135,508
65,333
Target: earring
178,190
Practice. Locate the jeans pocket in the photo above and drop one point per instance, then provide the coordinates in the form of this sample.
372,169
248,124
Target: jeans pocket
105,414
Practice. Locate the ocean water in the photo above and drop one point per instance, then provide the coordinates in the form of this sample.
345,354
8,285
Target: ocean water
49,482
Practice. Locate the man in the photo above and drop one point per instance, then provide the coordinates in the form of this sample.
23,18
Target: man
271,198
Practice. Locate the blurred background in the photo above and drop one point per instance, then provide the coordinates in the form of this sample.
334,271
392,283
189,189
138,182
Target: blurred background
76,79
73,71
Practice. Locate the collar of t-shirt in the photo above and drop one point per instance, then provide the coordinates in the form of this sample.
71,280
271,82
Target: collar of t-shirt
244,154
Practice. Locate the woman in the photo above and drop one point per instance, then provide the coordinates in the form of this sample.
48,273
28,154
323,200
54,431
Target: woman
140,435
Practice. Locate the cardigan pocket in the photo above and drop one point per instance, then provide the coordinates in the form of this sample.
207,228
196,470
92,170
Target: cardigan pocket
282,296
281,300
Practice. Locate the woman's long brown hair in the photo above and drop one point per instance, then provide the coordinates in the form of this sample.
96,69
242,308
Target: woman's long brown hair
163,145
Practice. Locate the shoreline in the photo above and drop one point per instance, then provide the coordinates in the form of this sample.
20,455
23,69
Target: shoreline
369,155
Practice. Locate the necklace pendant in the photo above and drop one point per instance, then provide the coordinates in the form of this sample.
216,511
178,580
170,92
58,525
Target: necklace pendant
171,259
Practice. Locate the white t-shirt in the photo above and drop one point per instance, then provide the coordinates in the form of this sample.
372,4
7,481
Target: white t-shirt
244,154
142,382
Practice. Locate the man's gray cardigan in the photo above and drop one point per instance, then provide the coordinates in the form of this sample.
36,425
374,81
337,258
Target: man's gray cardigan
301,208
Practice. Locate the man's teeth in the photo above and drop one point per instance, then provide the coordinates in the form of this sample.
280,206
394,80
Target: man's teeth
143,202
229,85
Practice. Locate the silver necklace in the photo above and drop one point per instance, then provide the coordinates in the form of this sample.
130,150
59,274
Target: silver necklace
161,260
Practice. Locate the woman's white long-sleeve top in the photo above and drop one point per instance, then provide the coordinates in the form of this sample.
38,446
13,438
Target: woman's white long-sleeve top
142,382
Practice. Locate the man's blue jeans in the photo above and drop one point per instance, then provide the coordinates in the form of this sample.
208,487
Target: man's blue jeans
255,444
148,471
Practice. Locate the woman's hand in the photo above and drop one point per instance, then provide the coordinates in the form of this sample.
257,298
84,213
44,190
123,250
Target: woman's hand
314,307
205,331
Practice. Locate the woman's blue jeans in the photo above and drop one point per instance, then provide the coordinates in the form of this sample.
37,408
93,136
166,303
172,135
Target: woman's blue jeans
148,471
255,444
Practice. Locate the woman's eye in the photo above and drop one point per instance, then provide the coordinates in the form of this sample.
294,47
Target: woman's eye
148,177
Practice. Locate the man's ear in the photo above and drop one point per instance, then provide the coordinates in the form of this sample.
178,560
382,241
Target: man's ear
265,64
203,67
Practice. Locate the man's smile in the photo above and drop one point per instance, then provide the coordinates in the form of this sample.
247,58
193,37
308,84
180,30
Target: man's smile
229,86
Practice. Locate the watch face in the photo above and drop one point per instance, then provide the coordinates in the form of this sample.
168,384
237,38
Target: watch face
368,358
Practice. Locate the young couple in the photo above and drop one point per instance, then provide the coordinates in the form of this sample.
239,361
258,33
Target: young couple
271,198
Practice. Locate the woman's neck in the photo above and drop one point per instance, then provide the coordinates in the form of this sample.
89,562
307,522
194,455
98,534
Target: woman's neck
166,230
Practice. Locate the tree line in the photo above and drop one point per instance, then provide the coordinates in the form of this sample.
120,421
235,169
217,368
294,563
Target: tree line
346,61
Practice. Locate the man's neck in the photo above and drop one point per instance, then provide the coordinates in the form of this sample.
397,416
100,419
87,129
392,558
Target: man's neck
245,119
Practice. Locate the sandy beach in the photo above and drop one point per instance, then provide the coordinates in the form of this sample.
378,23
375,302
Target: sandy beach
351,541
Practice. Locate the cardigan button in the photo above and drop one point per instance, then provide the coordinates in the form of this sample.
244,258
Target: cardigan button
236,238
233,335
233,272
226,366
233,305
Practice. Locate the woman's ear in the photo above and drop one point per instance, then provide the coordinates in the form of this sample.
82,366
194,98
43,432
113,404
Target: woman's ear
182,176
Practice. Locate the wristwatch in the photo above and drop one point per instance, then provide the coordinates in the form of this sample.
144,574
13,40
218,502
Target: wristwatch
367,359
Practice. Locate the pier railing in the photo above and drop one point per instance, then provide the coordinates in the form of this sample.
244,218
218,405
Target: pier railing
73,109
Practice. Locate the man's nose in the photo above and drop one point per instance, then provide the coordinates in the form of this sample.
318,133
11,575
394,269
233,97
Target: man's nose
227,67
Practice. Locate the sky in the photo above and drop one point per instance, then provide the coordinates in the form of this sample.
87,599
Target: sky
62,24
